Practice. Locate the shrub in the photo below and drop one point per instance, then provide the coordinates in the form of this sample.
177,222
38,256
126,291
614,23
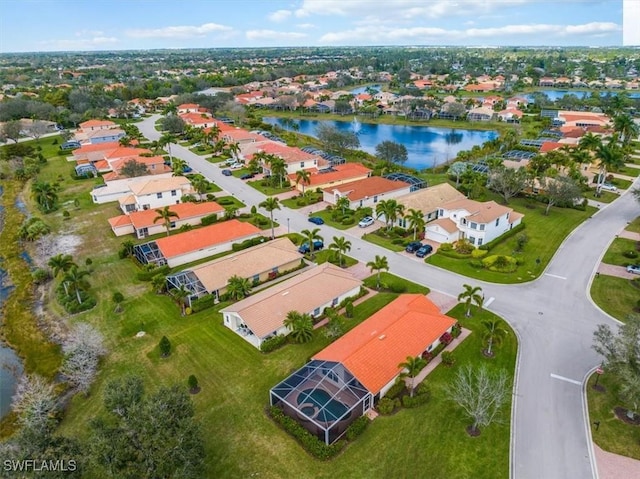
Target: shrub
193,384
126,249
66,215
456,330
446,338
399,231
41,275
476,263
446,247
357,427
630,254
387,405
447,358
273,343
500,263
398,241
185,227
148,273
308,441
397,287
395,390
247,243
203,303
165,347
463,247
348,220
479,253
348,309
416,400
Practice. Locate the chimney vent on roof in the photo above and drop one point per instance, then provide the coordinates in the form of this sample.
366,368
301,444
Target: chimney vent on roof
382,336
285,293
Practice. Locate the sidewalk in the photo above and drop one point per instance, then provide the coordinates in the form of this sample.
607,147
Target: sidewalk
613,466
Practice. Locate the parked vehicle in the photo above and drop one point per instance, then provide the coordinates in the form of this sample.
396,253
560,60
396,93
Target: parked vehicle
366,221
236,166
413,246
247,176
633,268
70,145
316,220
424,250
226,172
304,247
609,187
187,169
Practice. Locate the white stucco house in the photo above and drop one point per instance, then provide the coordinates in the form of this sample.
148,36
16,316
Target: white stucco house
479,222
155,193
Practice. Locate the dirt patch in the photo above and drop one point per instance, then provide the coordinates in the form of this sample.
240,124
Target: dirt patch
621,413
473,432
50,245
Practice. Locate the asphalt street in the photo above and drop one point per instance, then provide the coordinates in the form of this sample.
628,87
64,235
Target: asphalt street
553,317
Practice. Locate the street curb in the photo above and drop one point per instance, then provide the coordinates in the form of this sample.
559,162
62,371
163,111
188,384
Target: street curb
587,422
516,382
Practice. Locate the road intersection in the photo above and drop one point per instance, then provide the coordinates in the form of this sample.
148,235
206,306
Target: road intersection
553,316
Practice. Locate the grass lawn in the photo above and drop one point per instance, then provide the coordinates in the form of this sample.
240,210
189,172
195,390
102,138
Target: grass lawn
605,196
225,201
326,216
620,183
545,235
382,241
614,254
616,296
634,225
201,151
395,284
293,202
613,435
258,220
628,171
269,190
217,159
332,257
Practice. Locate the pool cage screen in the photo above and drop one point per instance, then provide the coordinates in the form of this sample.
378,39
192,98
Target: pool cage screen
324,397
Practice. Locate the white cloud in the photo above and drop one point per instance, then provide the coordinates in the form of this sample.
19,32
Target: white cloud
182,31
280,15
79,44
274,35
305,26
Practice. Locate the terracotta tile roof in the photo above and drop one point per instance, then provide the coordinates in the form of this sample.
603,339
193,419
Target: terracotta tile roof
101,165
288,153
430,198
238,134
144,218
158,185
265,312
188,106
119,221
550,146
98,147
372,186
448,225
127,200
480,212
96,123
515,216
373,350
104,132
145,160
123,151
341,173
260,259
200,238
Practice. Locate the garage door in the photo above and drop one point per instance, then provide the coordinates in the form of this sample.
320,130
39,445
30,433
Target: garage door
437,237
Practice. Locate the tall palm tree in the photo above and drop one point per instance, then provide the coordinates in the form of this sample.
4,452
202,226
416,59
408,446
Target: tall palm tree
610,156
413,366
378,264
178,166
341,246
590,142
416,221
343,203
391,210
61,263
626,127
166,140
165,215
311,236
200,184
45,195
278,168
302,176
234,149
180,295
494,334
75,278
270,204
471,295
300,325
238,287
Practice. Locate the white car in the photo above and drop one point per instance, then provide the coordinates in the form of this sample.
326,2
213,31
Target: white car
633,268
366,221
236,166
609,187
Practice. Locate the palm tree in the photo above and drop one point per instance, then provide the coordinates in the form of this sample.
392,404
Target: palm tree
61,263
270,204
378,264
180,295
311,236
416,221
159,283
390,209
343,203
590,142
45,195
627,128
413,366
238,287
341,246
278,167
166,140
200,184
494,334
178,166
611,157
302,176
75,278
300,325
234,149
230,212
165,215
469,295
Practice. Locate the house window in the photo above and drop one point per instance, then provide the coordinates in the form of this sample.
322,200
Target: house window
316,312
334,301
474,226
472,240
158,195
256,278
275,270
497,221
302,164
145,207
130,208
463,221
375,199
440,212
360,203
482,227
172,224
174,193
479,241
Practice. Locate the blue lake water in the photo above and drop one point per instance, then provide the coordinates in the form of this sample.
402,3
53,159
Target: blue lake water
363,89
426,146
557,94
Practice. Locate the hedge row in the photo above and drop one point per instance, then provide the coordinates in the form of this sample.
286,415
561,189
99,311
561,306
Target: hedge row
203,303
148,274
273,343
503,237
247,243
209,219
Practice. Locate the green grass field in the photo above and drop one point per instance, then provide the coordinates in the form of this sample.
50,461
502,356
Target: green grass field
616,296
634,225
614,254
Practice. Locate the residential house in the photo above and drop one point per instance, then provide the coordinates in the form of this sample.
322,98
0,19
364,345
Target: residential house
258,264
482,113
142,224
366,192
428,200
116,189
93,125
262,315
155,166
188,108
335,176
359,368
478,222
294,158
195,245
510,115
155,193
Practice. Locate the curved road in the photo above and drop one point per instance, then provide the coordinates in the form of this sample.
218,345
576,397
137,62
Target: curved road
553,317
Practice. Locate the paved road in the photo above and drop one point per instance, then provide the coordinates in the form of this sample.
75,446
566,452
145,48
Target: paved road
553,317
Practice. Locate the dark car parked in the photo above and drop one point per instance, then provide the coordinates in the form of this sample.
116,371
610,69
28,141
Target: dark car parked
247,176
317,246
316,220
226,172
424,250
413,246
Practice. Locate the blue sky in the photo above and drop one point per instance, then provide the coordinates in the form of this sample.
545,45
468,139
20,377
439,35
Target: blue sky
55,25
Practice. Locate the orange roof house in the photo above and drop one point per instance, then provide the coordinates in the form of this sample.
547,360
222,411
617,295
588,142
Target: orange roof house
90,125
338,175
196,244
366,192
372,351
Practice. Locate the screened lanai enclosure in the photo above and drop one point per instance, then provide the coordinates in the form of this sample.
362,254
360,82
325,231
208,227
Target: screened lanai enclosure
324,397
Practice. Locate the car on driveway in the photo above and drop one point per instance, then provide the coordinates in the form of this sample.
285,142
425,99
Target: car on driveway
316,220
609,187
633,268
366,221
247,176
227,172
424,250
304,247
236,166
413,246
